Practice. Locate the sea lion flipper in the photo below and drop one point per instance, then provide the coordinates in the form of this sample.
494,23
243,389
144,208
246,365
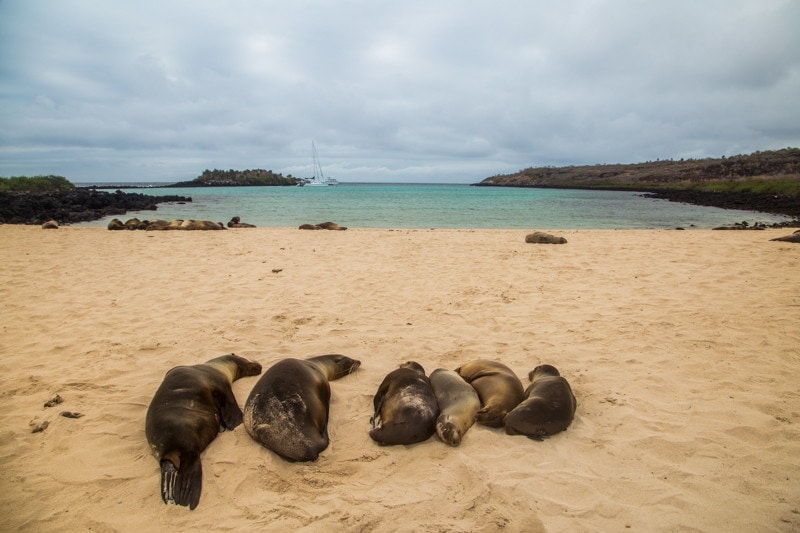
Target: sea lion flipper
230,413
182,486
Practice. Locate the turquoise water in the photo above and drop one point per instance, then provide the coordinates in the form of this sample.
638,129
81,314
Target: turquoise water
437,206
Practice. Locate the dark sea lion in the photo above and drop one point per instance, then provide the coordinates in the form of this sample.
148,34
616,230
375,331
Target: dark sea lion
794,237
499,389
191,406
539,237
236,222
309,226
116,224
405,407
50,224
287,410
331,226
458,405
549,408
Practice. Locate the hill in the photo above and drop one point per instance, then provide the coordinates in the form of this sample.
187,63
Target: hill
237,178
762,181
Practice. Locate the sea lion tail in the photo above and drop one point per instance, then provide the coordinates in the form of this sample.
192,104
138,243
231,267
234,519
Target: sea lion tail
182,486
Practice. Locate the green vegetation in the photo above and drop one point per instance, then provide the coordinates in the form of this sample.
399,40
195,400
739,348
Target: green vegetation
772,172
35,184
222,178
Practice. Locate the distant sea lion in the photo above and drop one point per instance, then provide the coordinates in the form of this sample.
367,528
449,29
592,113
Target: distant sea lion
201,225
458,404
116,224
499,389
323,225
235,222
287,410
794,237
539,237
157,225
331,226
191,406
132,224
405,407
549,408
50,224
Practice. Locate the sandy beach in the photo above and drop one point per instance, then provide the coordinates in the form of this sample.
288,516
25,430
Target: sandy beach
682,348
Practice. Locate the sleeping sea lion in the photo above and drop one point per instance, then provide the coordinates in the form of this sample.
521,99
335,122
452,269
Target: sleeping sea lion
191,406
405,407
287,410
499,389
236,222
549,408
458,404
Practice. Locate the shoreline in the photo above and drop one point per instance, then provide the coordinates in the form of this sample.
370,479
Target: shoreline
681,348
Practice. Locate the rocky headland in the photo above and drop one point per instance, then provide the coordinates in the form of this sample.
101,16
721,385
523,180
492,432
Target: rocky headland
74,205
768,182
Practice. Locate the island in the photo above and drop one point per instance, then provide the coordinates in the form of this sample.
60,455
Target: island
238,178
766,181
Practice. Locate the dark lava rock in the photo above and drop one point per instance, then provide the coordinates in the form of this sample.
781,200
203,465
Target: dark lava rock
75,205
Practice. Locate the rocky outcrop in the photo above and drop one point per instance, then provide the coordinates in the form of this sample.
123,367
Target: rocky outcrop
75,205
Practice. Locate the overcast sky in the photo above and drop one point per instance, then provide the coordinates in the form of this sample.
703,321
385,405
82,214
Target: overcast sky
426,91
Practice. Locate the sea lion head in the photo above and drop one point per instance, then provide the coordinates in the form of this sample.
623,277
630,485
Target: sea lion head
448,430
413,365
543,370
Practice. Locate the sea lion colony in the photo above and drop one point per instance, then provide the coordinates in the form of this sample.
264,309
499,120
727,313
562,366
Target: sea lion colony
287,409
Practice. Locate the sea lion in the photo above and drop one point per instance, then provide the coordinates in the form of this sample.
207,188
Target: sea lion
405,407
548,409
191,406
287,410
132,224
116,224
157,225
331,226
201,225
539,237
794,237
458,404
235,222
499,389
50,224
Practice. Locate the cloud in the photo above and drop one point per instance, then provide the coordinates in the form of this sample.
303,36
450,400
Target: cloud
413,91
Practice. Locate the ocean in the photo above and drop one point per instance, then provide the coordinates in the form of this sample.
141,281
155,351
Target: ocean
428,206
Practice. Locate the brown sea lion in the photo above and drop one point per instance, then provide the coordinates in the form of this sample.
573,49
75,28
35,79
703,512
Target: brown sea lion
539,237
549,407
201,225
236,222
331,226
116,224
458,405
50,224
794,237
132,224
499,389
287,410
157,225
405,407
191,406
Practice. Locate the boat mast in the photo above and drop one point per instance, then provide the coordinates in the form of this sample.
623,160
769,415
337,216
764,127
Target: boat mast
316,164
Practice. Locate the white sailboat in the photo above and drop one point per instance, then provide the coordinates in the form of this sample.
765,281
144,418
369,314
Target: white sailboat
319,179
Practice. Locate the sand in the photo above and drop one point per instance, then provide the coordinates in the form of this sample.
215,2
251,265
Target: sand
682,348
